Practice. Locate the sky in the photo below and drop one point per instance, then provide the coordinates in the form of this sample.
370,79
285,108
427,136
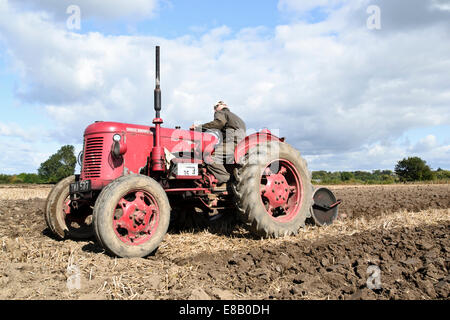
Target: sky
354,85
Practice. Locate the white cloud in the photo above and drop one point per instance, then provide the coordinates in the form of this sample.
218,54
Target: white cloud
111,9
9,130
430,149
15,130
339,93
383,156
306,5
443,5
426,144
19,156
367,157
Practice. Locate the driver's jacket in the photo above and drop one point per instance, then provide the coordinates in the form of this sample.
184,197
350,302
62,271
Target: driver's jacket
232,127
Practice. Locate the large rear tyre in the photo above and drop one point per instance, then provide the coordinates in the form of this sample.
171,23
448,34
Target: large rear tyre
131,216
273,190
62,218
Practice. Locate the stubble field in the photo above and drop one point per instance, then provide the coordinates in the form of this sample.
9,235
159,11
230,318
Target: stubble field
401,229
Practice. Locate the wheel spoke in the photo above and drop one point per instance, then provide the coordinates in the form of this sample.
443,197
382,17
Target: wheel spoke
127,209
149,215
124,204
139,201
66,207
262,189
268,171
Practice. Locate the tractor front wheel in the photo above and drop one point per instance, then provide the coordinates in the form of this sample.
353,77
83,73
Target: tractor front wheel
63,218
131,216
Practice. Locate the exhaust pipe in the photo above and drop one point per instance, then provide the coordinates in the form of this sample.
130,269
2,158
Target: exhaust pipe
157,88
157,157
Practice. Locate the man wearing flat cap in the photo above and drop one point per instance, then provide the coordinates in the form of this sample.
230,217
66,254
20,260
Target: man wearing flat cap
233,131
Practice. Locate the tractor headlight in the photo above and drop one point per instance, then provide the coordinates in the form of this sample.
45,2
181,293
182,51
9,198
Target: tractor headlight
80,158
118,147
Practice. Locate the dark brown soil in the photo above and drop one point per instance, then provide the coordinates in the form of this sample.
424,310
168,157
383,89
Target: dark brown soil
371,201
414,264
414,260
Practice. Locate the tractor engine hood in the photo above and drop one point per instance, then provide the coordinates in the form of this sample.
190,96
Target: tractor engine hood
174,140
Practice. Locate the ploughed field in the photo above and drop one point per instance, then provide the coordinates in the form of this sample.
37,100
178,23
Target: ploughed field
401,229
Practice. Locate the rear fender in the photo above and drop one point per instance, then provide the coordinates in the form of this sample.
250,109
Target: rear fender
251,141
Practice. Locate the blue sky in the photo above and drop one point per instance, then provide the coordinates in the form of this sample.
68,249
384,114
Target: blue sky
193,17
347,97
197,16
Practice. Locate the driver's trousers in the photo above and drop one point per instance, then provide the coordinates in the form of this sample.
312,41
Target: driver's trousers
224,154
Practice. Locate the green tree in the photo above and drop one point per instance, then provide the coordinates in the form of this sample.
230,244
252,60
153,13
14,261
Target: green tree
387,172
29,178
59,165
413,169
347,176
362,175
4,178
319,175
442,174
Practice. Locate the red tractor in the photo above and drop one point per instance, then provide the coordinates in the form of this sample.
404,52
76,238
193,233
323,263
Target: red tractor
134,178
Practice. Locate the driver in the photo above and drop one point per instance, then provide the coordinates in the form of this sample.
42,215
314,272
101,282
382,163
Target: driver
233,130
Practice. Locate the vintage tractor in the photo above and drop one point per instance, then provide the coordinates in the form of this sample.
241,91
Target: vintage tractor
135,178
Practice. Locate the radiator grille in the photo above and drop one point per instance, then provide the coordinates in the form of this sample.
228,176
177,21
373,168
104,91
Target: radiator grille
93,150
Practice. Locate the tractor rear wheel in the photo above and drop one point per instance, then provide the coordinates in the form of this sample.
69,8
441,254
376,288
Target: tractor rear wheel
273,190
62,218
131,216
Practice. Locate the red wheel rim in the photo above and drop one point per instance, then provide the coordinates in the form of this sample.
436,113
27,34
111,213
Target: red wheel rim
281,190
76,216
136,217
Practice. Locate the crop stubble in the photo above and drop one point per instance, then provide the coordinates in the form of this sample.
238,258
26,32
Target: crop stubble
401,229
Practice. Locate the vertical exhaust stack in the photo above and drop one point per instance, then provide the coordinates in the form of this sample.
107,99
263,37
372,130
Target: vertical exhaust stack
157,88
157,156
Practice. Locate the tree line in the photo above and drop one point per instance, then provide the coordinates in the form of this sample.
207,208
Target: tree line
411,169
62,164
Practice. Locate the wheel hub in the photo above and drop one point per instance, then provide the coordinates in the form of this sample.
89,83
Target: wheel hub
276,190
135,218
281,190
